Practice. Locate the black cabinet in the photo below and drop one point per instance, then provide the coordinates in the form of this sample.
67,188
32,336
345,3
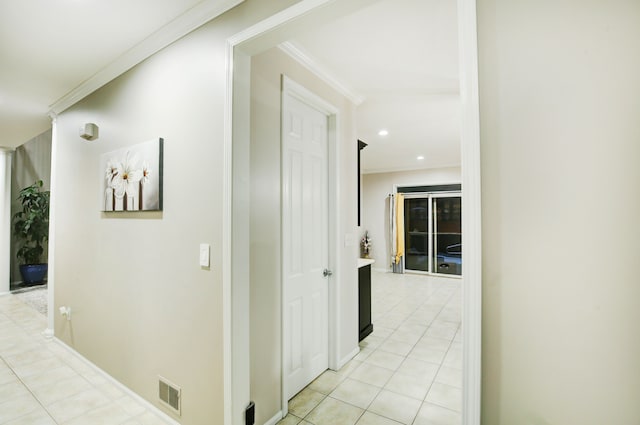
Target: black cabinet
364,302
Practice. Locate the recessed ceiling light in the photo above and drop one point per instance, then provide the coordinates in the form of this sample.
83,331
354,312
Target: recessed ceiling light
420,157
383,133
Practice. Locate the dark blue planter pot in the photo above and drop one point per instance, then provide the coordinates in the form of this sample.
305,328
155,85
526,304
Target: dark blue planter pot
33,273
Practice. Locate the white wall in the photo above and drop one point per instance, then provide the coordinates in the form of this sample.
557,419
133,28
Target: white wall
559,133
267,69
375,205
142,306
560,145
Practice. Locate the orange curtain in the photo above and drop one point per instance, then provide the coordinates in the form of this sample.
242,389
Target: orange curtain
399,224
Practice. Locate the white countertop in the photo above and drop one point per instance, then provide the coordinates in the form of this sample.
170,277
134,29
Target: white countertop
365,262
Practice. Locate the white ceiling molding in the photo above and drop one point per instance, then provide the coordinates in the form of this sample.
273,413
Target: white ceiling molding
193,18
306,60
399,169
273,22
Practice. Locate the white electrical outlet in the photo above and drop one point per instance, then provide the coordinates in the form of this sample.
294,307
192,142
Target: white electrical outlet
66,312
205,250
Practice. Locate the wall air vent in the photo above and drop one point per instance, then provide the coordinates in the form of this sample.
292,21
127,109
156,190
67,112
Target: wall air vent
170,395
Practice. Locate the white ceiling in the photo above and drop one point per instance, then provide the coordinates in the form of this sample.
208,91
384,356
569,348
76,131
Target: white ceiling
400,56
50,47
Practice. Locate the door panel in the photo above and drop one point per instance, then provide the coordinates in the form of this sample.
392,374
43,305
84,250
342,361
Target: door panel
295,202
295,309
305,243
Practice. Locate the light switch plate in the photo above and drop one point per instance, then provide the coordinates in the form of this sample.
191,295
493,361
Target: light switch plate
205,249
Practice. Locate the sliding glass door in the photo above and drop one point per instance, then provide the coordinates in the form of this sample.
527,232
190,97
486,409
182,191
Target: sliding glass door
433,233
416,234
447,235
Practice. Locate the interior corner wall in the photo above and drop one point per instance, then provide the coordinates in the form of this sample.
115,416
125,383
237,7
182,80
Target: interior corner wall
142,306
560,144
375,204
266,340
31,162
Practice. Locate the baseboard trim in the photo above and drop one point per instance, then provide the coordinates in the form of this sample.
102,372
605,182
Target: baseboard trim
381,270
148,405
274,420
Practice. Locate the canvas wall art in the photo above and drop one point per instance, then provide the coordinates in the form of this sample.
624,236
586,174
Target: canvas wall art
132,178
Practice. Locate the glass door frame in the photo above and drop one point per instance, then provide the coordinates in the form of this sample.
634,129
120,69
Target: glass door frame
430,196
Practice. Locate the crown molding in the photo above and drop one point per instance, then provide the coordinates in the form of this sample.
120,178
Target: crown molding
312,64
193,18
407,168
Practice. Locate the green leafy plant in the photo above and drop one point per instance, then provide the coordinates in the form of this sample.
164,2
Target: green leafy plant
31,225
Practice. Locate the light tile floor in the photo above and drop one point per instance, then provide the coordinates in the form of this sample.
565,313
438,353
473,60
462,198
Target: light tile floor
408,371
42,383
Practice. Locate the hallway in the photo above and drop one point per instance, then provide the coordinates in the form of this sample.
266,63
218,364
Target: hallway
408,371
42,383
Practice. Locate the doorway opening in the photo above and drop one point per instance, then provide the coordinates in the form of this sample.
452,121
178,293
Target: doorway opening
238,160
307,133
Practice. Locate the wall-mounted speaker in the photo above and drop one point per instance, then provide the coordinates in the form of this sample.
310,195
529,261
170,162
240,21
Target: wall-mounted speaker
89,131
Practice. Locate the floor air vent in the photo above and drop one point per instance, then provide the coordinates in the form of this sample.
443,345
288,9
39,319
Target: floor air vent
169,394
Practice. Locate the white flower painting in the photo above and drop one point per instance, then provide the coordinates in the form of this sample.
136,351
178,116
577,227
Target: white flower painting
132,178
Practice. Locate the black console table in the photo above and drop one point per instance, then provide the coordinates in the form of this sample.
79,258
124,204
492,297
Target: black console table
364,298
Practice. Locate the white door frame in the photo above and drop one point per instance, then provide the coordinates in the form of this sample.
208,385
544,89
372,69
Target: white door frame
290,87
235,220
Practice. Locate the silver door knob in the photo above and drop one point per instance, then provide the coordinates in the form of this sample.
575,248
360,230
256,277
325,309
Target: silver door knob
326,272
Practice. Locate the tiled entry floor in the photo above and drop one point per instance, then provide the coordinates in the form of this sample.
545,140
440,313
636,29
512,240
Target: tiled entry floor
408,371
42,383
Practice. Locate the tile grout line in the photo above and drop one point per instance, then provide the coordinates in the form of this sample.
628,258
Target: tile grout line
421,336
443,296
30,392
441,363
444,304
43,345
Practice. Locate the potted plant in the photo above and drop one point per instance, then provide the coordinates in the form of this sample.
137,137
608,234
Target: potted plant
31,228
366,245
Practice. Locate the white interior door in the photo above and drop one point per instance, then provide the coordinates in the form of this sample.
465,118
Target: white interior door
305,239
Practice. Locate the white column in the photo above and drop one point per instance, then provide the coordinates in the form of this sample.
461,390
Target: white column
51,273
5,218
